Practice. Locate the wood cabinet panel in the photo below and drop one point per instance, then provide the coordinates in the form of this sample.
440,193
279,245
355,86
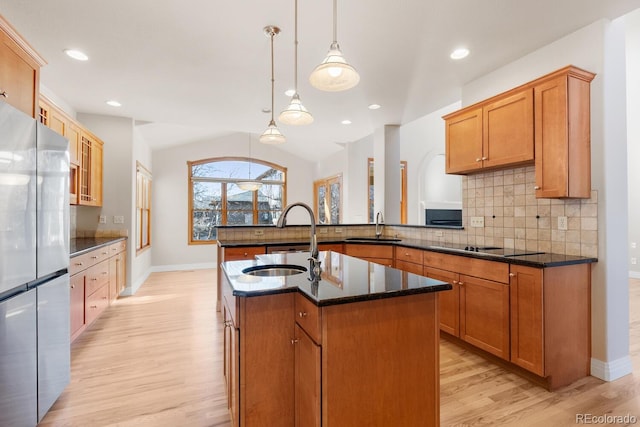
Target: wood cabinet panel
412,255
333,247
527,328
448,301
490,270
309,317
19,72
409,266
369,251
463,136
508,131
563,136
307,380
96,303
77,302
244,252
96,277
484,315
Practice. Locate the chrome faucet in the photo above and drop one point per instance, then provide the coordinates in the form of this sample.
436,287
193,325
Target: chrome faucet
313,248
379,224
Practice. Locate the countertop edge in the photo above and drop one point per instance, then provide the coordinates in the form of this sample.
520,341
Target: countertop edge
99,242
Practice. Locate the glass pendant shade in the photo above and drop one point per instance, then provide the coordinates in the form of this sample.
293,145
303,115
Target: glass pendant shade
295,113
249,185
272,135
334,74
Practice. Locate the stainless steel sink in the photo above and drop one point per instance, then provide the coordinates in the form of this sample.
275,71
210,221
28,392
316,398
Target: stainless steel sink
372,239
274,270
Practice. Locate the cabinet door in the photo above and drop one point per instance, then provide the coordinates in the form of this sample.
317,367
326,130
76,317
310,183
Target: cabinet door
463,136
231,366
72,132
19,77
121,275
242,253
508,131
448,301
563,145
307,380
527,330
96,173
90,171
113,278
484,315
77,302
409,266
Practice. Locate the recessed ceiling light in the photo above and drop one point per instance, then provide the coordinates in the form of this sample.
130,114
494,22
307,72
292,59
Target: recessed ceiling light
76,54
346,122
290,92
374,106
459,53
113,103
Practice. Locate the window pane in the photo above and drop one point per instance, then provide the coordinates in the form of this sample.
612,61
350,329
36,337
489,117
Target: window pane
204,223
207,195
268,217
239,218
236,169
145,228
270,197
239,199
335,203
321,204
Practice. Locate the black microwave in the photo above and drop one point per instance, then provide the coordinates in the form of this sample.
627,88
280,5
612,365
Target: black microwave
443,217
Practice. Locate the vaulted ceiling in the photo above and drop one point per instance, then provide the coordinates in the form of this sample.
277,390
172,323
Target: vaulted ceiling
198,69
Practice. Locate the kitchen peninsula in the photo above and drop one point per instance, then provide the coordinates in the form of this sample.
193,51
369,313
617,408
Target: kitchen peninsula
356,346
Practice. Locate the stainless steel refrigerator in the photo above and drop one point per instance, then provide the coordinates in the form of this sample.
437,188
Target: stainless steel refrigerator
34,260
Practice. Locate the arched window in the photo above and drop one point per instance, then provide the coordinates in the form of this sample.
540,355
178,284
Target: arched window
233,191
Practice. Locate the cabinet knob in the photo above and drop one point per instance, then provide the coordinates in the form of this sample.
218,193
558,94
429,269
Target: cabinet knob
94,257
461,283
512,274
537,187
105,253
302,314
93,306
73,286
79,264
4,93
245,254
294,341
478,159
454,282
485,158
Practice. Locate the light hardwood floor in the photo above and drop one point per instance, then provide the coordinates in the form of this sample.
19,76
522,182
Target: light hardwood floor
154,359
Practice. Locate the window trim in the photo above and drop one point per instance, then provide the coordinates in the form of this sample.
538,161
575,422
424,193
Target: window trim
224,181
144,173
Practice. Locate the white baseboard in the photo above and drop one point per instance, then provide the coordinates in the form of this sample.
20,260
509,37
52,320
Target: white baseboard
634,274
611,371
182,267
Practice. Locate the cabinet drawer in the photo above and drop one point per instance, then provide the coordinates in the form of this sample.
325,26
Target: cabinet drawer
369,251
86,260
308,317
96,303
409,255
490,270
247,252
410,267
96,277
117,247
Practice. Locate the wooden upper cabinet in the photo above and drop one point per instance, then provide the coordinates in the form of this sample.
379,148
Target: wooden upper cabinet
508,131
19,71
562,135
91,170
464,141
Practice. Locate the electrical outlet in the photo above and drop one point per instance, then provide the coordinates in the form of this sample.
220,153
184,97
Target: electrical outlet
118,219
338,230
258,232
633,260
633,245
102,219
322,230
562,223
477,221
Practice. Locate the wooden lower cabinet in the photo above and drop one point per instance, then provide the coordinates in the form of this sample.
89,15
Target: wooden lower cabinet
333,247
484,315
448,301
379,254
307,380
77,303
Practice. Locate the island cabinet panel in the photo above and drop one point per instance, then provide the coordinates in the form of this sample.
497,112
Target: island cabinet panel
379,254
231,371
307,380
448,301
380,363
333,247
484,315
233,254
309,317
266,360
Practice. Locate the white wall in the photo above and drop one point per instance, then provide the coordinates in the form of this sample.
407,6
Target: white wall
633,135
596,48
170,248
357,173
420,141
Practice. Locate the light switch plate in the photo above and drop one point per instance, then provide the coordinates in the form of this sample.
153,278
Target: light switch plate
322,230
102,219
118,219
477,221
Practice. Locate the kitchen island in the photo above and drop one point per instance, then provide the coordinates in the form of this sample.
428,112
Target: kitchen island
356,346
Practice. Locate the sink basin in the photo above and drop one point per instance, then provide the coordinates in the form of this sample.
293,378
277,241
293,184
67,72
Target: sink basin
372,239
274,270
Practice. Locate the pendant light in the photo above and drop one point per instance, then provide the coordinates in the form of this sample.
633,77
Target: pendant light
249,185
334,74
295,113
272,135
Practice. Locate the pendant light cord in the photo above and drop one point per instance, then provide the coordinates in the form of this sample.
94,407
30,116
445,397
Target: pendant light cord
272,77
335,21
295,50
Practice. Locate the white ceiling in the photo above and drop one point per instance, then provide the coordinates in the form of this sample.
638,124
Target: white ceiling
198,69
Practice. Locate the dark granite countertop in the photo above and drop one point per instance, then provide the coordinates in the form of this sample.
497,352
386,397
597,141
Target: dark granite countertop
344,279
539,260
81,245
